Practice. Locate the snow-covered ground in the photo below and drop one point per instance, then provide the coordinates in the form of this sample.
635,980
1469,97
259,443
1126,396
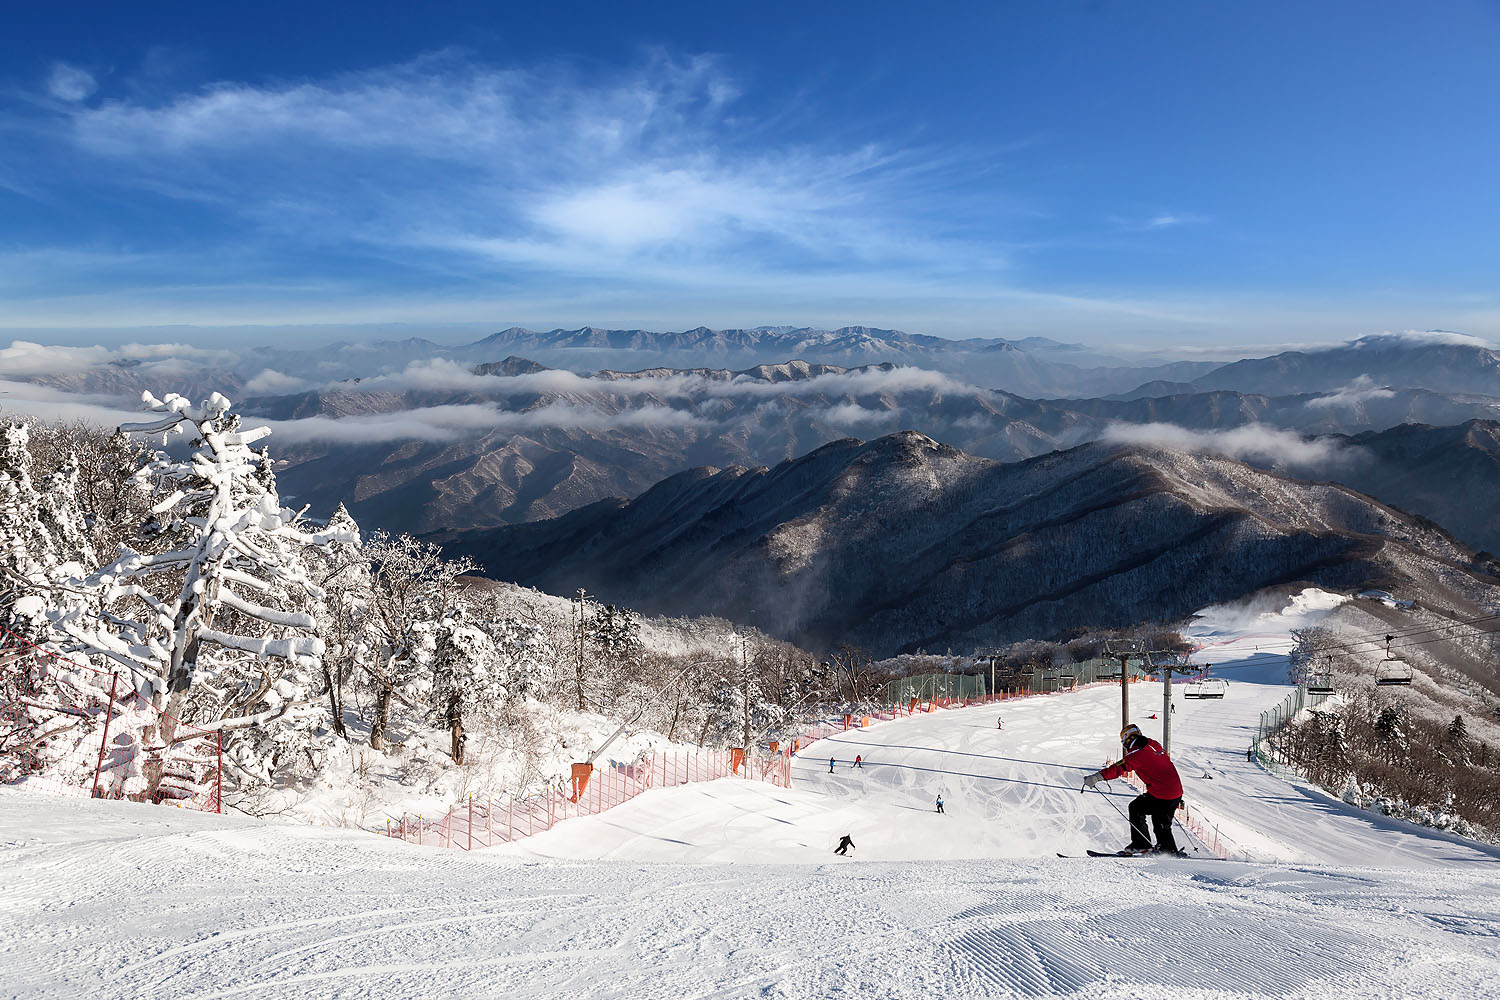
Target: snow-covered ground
730,889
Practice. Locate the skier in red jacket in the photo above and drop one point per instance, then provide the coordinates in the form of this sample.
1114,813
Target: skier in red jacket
1146,758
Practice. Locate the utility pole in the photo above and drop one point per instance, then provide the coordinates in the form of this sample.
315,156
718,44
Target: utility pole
1128,648
745,681
581,705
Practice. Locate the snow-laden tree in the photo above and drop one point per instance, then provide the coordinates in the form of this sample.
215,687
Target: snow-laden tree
43,538
467,679
526,657
411,587
211,625
342,572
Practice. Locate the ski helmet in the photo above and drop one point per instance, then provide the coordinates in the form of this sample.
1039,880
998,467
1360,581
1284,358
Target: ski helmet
1129,733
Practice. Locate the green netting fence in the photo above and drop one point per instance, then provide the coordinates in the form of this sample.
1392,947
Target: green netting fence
925,687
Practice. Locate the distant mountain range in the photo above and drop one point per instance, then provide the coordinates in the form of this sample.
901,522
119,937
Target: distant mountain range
417,435
557,442
1035,367
903,543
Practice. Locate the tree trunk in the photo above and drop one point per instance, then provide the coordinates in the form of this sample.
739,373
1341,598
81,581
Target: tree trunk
456,728
335,709
382,713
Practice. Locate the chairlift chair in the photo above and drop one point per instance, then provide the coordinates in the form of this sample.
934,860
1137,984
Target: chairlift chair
1320,684
1392,671
1206,687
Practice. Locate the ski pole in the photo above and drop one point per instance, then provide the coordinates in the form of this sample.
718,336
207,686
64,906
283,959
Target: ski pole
1112,804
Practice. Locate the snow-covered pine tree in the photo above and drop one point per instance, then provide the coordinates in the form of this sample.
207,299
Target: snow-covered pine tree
210,627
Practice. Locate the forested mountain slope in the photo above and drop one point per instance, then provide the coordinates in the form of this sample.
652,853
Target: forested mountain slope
903,543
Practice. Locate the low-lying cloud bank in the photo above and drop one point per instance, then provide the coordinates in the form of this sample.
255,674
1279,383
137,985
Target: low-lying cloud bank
1418,338
449,423
1256,444
1361,390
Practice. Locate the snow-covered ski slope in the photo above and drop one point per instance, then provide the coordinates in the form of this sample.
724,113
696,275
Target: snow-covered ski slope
730,889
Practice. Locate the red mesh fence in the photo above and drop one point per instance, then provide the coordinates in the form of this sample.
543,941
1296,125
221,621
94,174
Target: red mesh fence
72,729
476,823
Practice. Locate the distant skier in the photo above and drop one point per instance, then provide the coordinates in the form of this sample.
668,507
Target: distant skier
830,765
859,762
1000,722
844,845
940,803
1146,758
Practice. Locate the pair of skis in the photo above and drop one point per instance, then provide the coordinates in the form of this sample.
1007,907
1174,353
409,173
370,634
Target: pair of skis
1132,854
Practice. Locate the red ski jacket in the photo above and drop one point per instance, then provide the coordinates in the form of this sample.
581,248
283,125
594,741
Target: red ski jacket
1154,767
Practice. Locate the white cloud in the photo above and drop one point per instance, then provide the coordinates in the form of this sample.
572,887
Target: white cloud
544,170
69,83
1361,390
24,357
1417,338
49,404
852,415
446,423
1252,443
273,383
1166,219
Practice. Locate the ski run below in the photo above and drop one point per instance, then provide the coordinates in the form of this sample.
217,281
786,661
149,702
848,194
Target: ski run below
731,889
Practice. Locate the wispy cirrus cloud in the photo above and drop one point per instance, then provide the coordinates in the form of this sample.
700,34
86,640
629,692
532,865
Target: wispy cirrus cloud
70,83
535,168
1159,220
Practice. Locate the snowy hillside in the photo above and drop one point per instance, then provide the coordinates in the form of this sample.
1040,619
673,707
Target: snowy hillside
730,888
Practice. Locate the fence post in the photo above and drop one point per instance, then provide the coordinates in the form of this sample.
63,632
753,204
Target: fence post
510,823
219,778
471,822
104,740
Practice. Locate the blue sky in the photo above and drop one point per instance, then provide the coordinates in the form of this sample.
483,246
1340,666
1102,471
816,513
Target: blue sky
1127,174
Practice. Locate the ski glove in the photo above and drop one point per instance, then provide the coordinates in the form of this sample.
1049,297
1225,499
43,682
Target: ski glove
1093,779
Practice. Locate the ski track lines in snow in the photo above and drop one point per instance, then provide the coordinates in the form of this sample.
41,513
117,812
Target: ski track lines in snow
729,889
191,909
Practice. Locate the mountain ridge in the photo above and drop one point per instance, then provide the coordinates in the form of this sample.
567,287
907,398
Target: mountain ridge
902,542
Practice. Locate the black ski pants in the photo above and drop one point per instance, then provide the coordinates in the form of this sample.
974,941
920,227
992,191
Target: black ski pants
1160,811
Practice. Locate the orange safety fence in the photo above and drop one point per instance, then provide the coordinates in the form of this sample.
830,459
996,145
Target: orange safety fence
1208,834
477,823
68,728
